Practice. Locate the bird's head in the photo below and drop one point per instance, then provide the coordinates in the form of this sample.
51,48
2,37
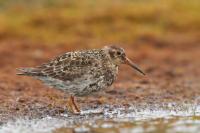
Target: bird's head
118,56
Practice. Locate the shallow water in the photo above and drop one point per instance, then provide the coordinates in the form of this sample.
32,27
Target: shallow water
169,117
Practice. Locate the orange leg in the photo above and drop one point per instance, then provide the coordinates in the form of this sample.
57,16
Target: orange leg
72,105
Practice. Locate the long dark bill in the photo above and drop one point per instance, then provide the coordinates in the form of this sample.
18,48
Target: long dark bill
130,63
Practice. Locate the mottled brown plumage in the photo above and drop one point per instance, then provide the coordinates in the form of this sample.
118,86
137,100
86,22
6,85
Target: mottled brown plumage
81,73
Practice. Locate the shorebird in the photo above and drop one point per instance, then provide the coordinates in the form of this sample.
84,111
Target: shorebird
81,73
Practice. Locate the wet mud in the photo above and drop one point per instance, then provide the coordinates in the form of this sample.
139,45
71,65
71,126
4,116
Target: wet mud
172,69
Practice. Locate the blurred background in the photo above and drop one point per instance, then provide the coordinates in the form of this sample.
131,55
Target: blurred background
161,36
140,26
93,23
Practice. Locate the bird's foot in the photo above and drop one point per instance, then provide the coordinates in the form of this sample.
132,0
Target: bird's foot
102,100
72,109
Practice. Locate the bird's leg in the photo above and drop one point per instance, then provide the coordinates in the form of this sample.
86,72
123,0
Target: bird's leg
74,103
72,106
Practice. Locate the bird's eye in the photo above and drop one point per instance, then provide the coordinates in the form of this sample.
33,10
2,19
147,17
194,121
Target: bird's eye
118,53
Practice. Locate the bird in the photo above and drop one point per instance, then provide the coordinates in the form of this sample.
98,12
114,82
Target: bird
81,73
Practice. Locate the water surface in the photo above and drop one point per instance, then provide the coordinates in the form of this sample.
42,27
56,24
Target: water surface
169,117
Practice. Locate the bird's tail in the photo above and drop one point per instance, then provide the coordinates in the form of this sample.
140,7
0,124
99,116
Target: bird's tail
28,71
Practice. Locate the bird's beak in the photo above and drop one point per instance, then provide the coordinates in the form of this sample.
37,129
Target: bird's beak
130,63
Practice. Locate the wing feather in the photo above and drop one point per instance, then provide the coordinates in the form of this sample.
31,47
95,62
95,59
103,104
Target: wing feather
70,66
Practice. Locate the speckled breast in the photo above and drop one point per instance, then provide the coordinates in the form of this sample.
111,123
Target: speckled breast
103,81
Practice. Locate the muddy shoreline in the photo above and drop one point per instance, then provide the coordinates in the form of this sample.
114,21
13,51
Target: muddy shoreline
173,75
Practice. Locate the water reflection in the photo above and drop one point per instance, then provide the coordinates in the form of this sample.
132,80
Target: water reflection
167,118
